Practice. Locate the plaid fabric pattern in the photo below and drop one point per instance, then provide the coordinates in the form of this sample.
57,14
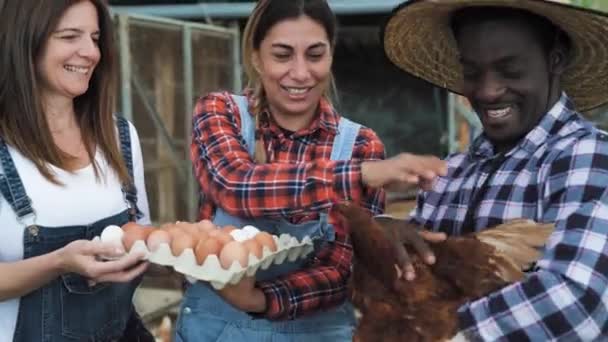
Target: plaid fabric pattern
558,173
298,183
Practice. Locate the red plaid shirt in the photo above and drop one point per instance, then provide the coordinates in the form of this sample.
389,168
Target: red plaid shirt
297,183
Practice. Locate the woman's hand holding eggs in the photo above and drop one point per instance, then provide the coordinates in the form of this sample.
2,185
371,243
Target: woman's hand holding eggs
229,244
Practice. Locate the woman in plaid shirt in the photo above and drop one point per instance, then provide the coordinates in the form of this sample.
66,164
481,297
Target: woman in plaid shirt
279,158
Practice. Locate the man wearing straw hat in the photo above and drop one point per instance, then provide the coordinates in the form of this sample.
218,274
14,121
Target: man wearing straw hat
527,67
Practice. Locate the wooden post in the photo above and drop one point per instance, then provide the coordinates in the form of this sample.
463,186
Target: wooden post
165,102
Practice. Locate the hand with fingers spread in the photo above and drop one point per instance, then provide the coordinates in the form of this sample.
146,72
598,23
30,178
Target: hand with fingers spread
405,235
82,257
403,172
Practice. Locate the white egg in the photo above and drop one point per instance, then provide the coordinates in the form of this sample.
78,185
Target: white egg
112,234
239,235
251,231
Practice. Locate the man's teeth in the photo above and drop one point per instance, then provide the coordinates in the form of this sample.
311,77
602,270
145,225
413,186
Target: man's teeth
498,113
297,91
80,70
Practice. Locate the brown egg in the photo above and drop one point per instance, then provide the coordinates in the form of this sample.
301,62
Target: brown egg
180,241
167,226
206,225
134,232
203,236
157,237
130,225
253,247
172,229
206,247
266,240
234,251
215,232
190,228
221,235
227,229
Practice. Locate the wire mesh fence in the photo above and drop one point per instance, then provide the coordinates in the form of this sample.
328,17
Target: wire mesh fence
165,65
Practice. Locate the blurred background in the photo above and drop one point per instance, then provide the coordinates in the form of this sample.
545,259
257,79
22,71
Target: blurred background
171,52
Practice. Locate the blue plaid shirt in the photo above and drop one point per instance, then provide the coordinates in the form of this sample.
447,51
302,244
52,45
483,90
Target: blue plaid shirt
557,173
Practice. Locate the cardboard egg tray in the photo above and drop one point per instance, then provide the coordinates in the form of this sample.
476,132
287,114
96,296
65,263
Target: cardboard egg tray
288,248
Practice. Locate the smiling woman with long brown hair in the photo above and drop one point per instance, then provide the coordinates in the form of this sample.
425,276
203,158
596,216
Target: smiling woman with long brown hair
59,144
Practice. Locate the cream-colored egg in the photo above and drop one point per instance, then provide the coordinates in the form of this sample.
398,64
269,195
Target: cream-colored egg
239,235
112,235
250,231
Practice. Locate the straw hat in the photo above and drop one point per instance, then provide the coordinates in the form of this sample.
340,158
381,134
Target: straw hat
418,39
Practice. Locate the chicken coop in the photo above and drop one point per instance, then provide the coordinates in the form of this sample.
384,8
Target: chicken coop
164,66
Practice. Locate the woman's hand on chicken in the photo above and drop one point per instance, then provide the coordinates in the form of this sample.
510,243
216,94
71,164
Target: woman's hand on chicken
401,173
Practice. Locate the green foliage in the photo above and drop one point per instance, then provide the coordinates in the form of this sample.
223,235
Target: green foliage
601,5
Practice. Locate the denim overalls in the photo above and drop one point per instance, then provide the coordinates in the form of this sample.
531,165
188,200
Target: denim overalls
205,316
67,308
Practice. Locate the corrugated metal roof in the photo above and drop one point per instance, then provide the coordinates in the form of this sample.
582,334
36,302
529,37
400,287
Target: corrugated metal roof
242,10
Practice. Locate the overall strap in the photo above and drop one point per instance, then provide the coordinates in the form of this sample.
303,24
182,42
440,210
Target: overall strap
343,144
345,139
342,148
11,186
125,143
248,133
128,190
247,123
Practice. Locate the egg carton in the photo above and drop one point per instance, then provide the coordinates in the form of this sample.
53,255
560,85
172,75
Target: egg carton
288,248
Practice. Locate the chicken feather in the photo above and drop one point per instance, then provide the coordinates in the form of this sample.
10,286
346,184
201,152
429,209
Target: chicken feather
467,268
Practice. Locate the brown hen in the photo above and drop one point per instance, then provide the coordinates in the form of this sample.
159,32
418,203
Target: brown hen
467,268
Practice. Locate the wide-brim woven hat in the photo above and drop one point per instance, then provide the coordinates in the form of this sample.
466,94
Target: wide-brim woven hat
418,39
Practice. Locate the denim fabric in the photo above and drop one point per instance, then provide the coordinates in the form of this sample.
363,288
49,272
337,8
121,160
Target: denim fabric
67,308
129,190
10,185
205,316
